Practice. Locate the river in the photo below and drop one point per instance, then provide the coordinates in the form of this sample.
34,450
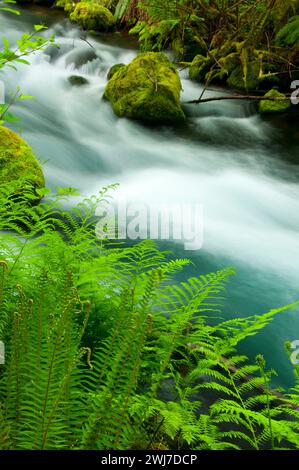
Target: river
243,168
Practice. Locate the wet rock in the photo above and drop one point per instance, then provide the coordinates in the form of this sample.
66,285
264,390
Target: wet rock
18,165
77,80
93,16
281,104
148,89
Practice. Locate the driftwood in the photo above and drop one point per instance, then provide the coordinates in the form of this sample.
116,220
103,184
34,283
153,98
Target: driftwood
238,97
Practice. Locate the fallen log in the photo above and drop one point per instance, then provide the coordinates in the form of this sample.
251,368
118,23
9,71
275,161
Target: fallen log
237,97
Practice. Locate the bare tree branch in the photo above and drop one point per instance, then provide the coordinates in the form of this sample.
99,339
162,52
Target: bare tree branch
238,97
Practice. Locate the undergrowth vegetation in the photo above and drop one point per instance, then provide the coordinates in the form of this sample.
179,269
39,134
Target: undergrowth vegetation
251,44
106,350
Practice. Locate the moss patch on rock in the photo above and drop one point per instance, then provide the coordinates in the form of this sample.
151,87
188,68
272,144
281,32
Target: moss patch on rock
18,165
281,104
148,89
70,5
115,68
93,16
67,5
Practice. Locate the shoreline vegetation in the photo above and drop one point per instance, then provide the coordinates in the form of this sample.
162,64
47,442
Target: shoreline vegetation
104,348
251,47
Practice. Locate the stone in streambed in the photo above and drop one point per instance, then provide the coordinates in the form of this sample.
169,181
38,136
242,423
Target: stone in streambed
77,58
148,89
77,80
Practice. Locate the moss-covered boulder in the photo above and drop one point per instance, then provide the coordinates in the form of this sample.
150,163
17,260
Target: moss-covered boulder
237,79
70,5
199,67
280,105
93,16
17,162
115,68
148,89
67,5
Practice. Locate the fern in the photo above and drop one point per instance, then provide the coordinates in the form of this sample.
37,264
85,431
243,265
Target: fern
121,8
288,36
106,351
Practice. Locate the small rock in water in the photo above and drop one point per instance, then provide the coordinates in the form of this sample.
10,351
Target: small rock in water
77,80
81,57
281,104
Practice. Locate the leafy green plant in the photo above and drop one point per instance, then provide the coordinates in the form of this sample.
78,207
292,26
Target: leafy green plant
158,374
288,36
12,55
7,9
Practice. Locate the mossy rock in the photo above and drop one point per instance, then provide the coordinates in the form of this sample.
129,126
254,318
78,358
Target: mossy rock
236,78
67,5
70,5
63,3
199,67
148,89
77,80
280,106
115,68
18,165
93,16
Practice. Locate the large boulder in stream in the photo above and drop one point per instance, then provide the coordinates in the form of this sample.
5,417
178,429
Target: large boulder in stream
148,89
93,16
18,165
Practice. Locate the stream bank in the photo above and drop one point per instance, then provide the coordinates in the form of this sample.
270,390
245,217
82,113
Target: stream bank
243,168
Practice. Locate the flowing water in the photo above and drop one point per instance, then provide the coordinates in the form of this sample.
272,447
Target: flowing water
242,168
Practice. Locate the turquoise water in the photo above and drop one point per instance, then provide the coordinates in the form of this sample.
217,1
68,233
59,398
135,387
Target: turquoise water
242,168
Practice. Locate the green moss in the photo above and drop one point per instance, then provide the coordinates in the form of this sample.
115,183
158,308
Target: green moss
147,89
236,79
61,3
199,67
177,46
281,105
115,68
93,16
17,161
70,5
288,36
